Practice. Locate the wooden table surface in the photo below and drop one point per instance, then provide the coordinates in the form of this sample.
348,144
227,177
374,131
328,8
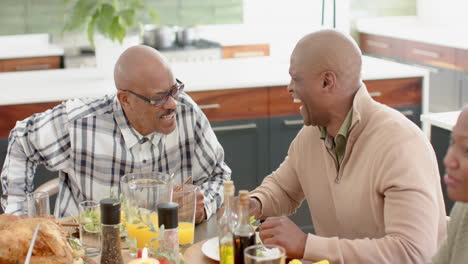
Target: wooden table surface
203,232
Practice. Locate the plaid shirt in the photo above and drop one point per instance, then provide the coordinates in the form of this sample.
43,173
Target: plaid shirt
91,143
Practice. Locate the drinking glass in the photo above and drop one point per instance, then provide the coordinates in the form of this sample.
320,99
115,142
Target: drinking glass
186,197
141,194
38,204
90,227
264,254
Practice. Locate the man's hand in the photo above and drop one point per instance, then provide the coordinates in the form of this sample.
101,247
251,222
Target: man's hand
283,232
184,202
255,207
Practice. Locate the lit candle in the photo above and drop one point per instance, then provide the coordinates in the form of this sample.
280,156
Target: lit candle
144,259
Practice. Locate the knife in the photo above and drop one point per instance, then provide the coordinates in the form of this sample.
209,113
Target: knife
31,246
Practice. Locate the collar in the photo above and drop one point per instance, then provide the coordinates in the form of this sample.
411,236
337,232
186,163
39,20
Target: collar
130,135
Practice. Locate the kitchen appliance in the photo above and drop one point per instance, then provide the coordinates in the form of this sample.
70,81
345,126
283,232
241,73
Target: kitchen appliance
159,37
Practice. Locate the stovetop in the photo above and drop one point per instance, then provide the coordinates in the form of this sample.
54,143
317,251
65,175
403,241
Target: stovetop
197,45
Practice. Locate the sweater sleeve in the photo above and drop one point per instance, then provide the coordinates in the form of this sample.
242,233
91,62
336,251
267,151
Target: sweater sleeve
281,193
408,182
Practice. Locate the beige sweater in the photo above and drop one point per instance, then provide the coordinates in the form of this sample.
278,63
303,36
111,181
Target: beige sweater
385,203
454,250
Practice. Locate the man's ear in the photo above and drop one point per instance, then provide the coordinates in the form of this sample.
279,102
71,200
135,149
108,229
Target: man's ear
329,80
123,98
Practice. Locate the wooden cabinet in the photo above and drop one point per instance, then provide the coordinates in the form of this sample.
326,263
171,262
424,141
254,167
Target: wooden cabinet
429,54
31,64
244,51
446,85
382,46
9,114
233,104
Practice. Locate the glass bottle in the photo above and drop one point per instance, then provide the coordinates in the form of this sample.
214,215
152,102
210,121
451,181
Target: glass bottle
168,217
111,252
226,224
244,234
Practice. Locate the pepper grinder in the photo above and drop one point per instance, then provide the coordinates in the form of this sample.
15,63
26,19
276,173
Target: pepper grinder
111,252
168,216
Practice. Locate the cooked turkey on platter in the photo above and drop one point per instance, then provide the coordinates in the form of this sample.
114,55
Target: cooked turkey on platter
51,244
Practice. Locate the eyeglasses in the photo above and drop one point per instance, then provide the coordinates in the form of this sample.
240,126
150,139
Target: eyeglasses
161,99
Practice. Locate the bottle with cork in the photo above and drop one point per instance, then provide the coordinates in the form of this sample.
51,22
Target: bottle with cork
111,252
244,234
226,224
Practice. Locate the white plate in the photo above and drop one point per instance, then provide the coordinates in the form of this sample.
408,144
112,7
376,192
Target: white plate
211,248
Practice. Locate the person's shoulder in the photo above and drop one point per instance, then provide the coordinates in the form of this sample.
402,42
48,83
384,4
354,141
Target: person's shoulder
392,123
187,106
88,107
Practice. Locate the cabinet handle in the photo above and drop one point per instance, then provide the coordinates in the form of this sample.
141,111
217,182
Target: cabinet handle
375,94
378,44
209,106
293,122
407,112
32,67
426,53
234,127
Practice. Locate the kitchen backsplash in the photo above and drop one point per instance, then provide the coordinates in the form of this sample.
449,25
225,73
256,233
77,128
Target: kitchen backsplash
40,16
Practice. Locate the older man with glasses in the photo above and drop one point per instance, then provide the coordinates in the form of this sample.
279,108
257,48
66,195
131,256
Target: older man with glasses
150,124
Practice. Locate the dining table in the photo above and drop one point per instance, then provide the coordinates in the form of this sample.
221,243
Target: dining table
192,254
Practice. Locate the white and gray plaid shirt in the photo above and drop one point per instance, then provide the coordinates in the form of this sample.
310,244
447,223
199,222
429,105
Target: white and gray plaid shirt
91,143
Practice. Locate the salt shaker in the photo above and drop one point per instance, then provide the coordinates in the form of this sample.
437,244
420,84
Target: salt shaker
111,252
168,216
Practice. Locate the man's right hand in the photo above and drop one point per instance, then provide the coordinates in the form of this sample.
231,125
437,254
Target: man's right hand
255,207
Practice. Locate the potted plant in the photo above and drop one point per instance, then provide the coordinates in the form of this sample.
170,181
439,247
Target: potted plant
111,25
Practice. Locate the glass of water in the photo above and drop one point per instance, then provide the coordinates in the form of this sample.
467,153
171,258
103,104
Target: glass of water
264,254
90,227
38,204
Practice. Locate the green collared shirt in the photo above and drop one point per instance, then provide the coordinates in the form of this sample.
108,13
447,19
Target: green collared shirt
338,144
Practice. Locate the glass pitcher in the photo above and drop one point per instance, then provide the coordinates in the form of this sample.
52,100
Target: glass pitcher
141,194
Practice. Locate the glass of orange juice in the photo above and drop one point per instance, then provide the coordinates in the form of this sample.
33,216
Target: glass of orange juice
141,194
186,198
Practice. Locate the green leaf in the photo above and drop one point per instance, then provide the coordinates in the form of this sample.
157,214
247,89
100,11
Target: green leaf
79,14
91,26
105,18
154,15
127,17
117,31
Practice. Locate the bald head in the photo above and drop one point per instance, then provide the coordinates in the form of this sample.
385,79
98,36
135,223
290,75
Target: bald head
137,65
461,127
330,50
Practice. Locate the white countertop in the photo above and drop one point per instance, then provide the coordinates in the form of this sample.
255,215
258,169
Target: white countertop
62,84
416,29
27,46
444,120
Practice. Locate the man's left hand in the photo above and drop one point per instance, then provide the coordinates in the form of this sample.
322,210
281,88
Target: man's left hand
283,232
200,214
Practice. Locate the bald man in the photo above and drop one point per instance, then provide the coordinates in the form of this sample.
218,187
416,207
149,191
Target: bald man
369,175
150,124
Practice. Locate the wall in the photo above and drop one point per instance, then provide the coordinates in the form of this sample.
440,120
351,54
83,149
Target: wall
41,16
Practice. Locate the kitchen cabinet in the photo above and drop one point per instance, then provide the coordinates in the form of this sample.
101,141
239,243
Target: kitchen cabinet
440,139
246,150
446,84
31,64
245,51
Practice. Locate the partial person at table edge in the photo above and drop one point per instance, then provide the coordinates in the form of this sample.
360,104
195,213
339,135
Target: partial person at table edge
454,249
150,124
369,174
